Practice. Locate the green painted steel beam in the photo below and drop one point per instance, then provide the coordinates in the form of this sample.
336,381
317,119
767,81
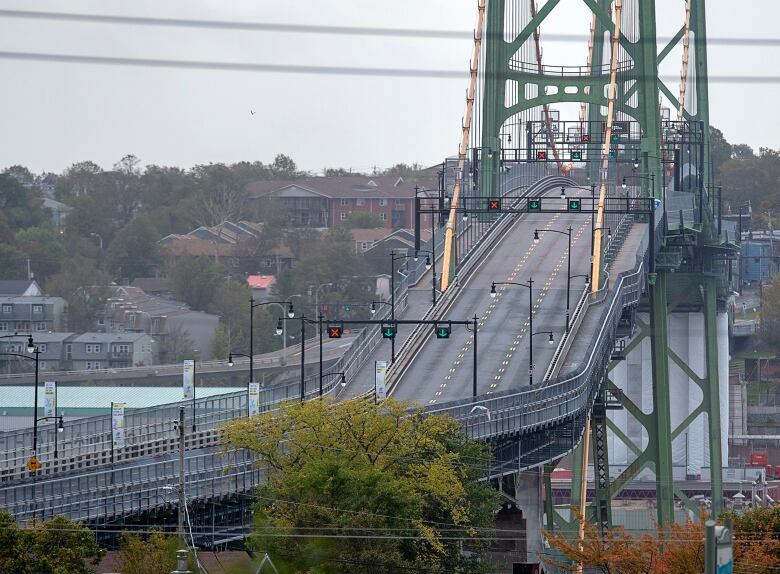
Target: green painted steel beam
662,431
685,368
712,394
494,94
623,437
670,46
534,24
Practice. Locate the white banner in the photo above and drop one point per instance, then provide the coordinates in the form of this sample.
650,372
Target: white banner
118,425
188,379
254,399
380,368
50,399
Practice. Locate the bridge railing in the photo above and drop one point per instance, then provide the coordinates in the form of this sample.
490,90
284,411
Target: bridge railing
513,412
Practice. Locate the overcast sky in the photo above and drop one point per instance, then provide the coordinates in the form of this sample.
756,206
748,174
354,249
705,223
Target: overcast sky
55,114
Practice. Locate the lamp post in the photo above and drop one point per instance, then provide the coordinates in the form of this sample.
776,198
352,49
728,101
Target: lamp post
60,427
99,237
280,328
428,259
568,264
343,379
230,364
529,286
393,259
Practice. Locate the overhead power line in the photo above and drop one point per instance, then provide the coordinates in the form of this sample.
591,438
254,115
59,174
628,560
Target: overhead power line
303,69
315,28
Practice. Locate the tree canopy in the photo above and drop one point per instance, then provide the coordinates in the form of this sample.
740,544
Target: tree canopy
339,471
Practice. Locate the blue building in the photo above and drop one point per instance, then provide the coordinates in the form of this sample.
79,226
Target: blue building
757,264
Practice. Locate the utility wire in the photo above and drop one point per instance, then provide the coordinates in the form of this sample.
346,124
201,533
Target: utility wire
318,28
303,69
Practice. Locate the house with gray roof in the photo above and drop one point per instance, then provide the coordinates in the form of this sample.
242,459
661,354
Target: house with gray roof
110,350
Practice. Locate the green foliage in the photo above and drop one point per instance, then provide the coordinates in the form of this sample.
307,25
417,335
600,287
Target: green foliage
12,263
720,149
44,249
364,220
82,285
21,207
195,280
176,346
58,546
770,314
220,343
357,468
154,555
756,180
134,252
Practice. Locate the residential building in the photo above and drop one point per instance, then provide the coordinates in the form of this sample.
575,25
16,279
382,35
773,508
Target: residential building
261,285
25,314
59,212
234,245
51,347
20,288
329,201
90,351
131,309
365,239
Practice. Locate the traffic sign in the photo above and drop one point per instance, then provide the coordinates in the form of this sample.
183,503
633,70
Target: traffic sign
576,155
33,464
541,155
535,204
388,331
575,205
494,204
335,331
443,331
348,308
585,137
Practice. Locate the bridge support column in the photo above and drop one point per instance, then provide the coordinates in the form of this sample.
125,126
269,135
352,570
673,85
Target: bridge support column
661,431
602,503
493,99
529,496
712,393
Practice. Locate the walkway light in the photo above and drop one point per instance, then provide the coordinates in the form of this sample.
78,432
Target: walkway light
624,185
60,426
373,308
230,360
536,236
30,345
290,312
551,340
563,192
493,291
427,263
279,326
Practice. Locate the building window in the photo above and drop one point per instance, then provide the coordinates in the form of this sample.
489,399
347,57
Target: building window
121,348
360,201
399,202
383,216
42,347
8,308
3,326
37,309
364,245
22,326
42,365
382,202
344,202
93,347
93,365
343,216
40,326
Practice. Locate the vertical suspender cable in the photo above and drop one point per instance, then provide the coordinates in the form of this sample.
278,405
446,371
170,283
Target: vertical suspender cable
685,58
584,487
596,268
463,150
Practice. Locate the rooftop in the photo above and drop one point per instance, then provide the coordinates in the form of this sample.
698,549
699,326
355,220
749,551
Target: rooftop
260,281
356,186
125,336
19,287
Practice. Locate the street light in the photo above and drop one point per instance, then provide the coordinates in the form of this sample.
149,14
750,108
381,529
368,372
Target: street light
252,306
375,303
430,257
230,364
529,286
393,259
568,263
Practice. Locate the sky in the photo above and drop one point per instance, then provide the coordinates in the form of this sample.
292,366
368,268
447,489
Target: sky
55,114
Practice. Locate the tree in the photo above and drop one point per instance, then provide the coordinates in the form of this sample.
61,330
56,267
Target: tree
176,346
678,549
220,343
284,167
194,280
22,207
364,220
742,151
84,287
220,198
154,555
77,180
720,149
356,467
770,314
58,546
44,249
133,252
12,263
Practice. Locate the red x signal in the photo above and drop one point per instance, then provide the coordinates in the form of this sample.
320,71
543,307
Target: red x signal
494,204
335,332
585,137
541,155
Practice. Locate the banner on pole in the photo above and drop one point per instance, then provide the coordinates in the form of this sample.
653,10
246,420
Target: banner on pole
254,398
380,369
118,425
188,379
50,399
